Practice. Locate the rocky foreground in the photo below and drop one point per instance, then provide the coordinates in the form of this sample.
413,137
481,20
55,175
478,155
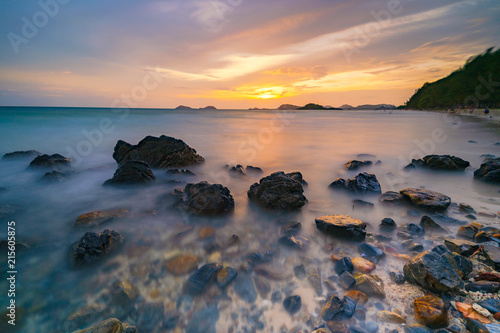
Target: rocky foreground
441,274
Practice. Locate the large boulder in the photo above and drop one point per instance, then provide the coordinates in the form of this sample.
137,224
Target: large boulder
93,246
363,183
442,162
162,152
426,199
205,199
54,162
21,154
434,270
342,226
131,173
431,311
356,164
489,171
279,191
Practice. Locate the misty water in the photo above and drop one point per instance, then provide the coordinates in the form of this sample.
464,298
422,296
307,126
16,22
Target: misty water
316,143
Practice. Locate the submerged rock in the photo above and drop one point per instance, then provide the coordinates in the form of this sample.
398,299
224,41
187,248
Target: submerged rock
244,288
292,228
391,197
180,172
158,152
252,169
294,242
98,217
362,265
489,171
363,183
492,254
431,226
431,311
342,226
315,281
55,162
55,177
182,264
111,325
204,320
292,304
235,170
369,284
371,252
199,281
387,224
343,265
21,154
204,199
337,309
488,287
390,317
279,191
131,173
93,246
427,199
225,276
356,164
442,162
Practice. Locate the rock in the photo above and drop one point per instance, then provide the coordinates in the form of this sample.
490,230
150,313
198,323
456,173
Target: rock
391,197
369,284
292,304
465,266
417,329
443,162
337,309
415,230
362,265
292,228
363,183
276,296
111,325
315,280
362,204
397,277
491,304
435,270
431,311
487,276
182,264
130,173
467,231
150,317
443,219
483,286
358,296
390,317
371,252
460,246
356,164
342,226
431,226
346,280
415,247
162,152
426,199
244,288
262,286
225,276
489,171
204,320
180,172
93,246
207,200
206,233
199,280
371,327
469,313
261,257
294,242
337,327
21,154
55,162
254,170
388,224
279,191
85,315
96,218
475,326
466,208
343,265
55,177
492,254
124,294
300,272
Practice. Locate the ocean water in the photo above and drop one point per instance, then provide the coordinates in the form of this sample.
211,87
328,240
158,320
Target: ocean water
316,143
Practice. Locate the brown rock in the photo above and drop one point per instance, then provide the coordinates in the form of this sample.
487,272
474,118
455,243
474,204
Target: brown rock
485,276
431,311
98,217
390,317
469,313
111,325
369,284
337,327
182,264
362,265
206,233
358,296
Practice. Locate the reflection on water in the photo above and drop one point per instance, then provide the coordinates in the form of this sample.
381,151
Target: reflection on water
316,143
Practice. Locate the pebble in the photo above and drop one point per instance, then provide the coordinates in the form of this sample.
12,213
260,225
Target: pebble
292,304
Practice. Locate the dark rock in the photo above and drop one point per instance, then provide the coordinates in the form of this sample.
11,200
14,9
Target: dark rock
363,183
483,286
123,294
388,224
292,228
465,266
431,226
448,220
371,252
235,170
199,280
225,276
346,280
342,226
162,152
204,320
460,246
343,265
255,170
356,164
338,327
54,162
417,329
487,234
492,254
371,327
397,277
149,317
21,154
403,235
294,242
111,325
467,231
491,304
435,270
369,284
382,238
262,257
475,326
300,272
96,218
391,197
415,247
333,306
415,230
55,177
292,304
431,311
489,171
315,280
362,204
93,246
276,296
426,199
279,191
207,200
180,172
131,173
244,288
466,208
444,162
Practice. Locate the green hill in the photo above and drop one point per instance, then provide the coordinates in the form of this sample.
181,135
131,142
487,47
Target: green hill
476,83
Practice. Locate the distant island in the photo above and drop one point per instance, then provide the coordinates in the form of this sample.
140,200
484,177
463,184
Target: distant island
472,85
309,106
183,107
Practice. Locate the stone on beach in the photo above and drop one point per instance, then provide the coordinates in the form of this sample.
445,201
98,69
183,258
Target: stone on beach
199,280
363,183
391,197
93,246
442,162
489,171
426,199
342,226
431,311
182,264
55,162
356,164
99,217
292,304
131,173
390,317
369,284
158,152
205,199
362,265
461,246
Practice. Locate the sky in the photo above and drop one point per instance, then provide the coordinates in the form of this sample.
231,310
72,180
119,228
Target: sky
234,53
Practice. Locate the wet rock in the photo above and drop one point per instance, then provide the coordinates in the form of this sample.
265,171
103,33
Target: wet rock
382,238
415,230
362,204
204,320
55,162
489,171
417,329
415,247
483,286
337,309
300,272
93,246
342,226
431,226
397,277
130,173
21,154
369,284
204,199
346,280
158,152
244,288
55,177
491,304
276,296
337,327
98,217
262,257
391,197
465,266
426,199
435,270
371,252
292,304
294,242
111,325
363,183
225,276
487,234
431,311
150,317
467,231
488,276
206,233
279,191
356,164
362,265
182,264
442,162
390,317
468,312
461,246
315,281
388,224
466,208
371,327
292,228
254,170
343,265
85,315
235,170
123,293
492,254
358,296
180,172
199,280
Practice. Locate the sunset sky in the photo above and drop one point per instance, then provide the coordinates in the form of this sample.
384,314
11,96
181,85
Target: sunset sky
234,53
